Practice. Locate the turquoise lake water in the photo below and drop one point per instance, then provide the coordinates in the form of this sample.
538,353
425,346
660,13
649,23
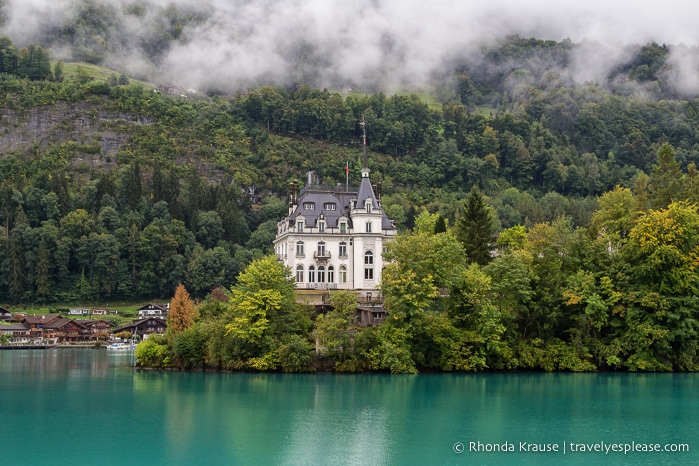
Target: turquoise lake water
79,407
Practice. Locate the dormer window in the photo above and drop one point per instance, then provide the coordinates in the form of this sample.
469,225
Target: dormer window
367,205
309,206
343,227
299,226
321,226
330,206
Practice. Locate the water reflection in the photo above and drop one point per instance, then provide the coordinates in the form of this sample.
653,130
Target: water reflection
156,417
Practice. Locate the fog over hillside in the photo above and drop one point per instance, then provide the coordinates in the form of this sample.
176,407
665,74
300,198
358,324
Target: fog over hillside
233,43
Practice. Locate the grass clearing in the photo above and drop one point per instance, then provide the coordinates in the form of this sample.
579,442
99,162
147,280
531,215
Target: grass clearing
73,70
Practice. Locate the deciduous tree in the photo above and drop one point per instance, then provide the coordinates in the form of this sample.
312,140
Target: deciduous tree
182,313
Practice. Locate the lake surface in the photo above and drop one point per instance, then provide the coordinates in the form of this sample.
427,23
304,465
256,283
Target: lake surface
73,406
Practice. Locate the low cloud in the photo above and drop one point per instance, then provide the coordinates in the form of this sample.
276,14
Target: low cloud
233,43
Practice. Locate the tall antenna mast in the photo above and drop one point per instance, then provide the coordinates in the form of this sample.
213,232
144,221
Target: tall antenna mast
365,160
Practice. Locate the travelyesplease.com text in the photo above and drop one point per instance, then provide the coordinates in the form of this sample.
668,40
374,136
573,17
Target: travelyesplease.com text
568,447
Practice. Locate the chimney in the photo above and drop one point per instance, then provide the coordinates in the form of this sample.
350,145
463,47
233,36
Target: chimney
293,196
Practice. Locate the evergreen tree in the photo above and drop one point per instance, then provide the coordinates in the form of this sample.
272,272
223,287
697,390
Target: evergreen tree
43,269
474,228
9,56
58,72
440,225
666,181
34,63
17,266
130,184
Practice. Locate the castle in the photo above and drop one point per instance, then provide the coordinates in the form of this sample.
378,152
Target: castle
334,238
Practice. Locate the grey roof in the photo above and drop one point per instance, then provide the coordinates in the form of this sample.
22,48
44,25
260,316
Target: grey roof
11,327
342,199
319,198
366,191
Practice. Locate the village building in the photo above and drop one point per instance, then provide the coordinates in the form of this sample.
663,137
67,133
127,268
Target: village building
36,324
143,327
96,329
63,330
154,310
333,239
17,334
5,315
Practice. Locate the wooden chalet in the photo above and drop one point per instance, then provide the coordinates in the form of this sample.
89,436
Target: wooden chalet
36,324
5,315
96,329
154,310
64,330
142,327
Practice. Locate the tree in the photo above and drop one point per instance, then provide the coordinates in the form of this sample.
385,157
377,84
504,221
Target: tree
440,226
332,330
43,270
9,56
263,309
418,266
474,228
130,184
615,217
34,63
663,249
209,228
58,72
182,312
666,183
17,265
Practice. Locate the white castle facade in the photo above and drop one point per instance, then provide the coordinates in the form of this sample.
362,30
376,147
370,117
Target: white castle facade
334,239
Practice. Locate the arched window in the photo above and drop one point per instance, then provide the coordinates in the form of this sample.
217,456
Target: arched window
343,249
299,273
342,274
321,274
299,249
368,265
311,274
331,274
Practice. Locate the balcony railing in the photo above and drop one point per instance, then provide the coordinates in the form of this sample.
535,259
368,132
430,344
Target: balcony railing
321,255
321,286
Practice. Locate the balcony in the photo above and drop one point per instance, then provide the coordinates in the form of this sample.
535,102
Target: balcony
321,286
321,256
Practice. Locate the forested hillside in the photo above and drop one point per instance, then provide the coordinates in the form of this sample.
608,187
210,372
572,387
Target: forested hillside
111,190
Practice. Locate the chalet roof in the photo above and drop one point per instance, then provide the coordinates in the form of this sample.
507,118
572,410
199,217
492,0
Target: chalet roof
138,322
13,327
4,311
91,322
42,319
60,323
151,306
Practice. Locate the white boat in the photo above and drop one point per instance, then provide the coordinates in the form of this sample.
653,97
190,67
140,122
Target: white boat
121,347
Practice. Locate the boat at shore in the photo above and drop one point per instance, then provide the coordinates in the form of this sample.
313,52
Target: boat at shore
121,347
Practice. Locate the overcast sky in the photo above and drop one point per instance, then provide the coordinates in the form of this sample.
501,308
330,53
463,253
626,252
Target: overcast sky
355,40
